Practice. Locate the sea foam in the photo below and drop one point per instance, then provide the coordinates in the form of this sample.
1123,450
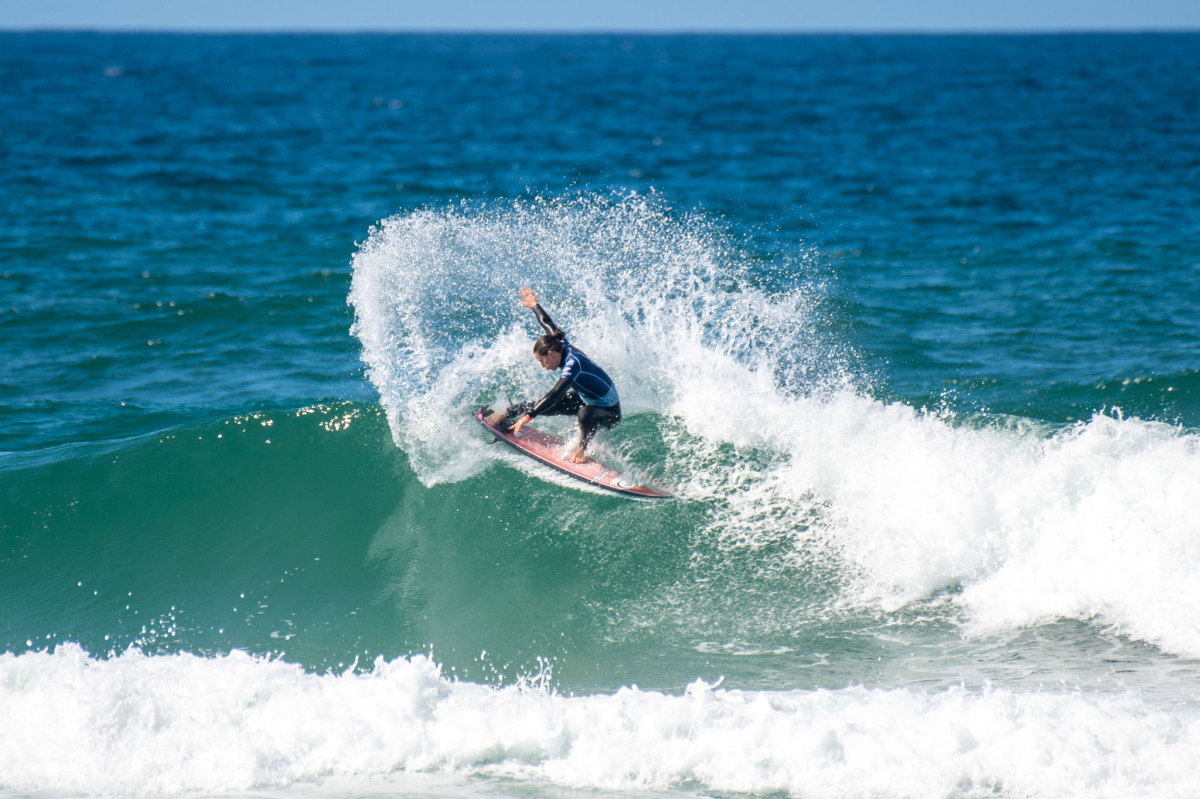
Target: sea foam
1022,523
133,724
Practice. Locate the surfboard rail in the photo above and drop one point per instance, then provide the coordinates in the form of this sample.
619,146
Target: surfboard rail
547,449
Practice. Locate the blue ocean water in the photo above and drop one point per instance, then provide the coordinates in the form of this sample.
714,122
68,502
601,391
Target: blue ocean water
907,324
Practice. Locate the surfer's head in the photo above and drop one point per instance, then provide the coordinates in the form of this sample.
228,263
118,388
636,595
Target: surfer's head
549,350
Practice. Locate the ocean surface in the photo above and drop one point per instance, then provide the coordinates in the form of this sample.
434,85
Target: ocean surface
909,325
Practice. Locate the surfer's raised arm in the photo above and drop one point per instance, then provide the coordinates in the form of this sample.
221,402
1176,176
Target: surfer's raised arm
530,301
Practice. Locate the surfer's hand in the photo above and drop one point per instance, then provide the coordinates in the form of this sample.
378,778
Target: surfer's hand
516,428
527,298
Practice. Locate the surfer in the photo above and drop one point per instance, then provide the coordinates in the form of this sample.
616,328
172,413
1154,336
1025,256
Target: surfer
583,388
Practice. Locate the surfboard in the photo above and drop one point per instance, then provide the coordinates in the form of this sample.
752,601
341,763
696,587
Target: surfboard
551,451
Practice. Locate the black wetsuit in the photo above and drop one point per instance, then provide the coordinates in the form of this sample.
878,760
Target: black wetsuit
583,389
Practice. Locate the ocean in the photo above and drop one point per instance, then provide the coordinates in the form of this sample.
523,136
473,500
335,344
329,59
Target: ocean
908,324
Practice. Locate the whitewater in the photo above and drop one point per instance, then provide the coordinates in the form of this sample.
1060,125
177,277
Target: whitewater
137,725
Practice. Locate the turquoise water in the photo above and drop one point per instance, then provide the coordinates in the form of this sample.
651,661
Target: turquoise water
906,323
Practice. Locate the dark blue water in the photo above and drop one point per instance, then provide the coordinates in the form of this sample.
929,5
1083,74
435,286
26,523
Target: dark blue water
907,322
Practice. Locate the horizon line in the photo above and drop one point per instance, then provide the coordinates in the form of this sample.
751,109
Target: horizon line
518,31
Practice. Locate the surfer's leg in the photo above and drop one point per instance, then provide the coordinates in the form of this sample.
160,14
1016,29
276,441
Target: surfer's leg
592,419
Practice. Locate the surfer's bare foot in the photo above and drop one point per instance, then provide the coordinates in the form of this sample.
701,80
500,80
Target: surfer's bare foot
580,456
496,418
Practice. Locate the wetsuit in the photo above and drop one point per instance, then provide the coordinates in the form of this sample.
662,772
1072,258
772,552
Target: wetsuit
583,389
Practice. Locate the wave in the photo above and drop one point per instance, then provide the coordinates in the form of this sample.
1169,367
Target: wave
741,396
140,725
305,534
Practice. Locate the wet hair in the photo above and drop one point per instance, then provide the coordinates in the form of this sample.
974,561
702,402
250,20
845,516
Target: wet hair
551,342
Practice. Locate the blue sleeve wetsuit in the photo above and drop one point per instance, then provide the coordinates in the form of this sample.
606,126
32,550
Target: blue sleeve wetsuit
583,388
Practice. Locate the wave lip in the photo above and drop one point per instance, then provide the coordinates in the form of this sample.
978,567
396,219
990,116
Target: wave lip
142,725
650,294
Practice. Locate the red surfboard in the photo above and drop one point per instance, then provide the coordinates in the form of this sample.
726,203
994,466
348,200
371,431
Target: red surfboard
550,451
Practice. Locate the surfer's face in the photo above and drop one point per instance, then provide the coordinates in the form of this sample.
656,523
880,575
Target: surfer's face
551,359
